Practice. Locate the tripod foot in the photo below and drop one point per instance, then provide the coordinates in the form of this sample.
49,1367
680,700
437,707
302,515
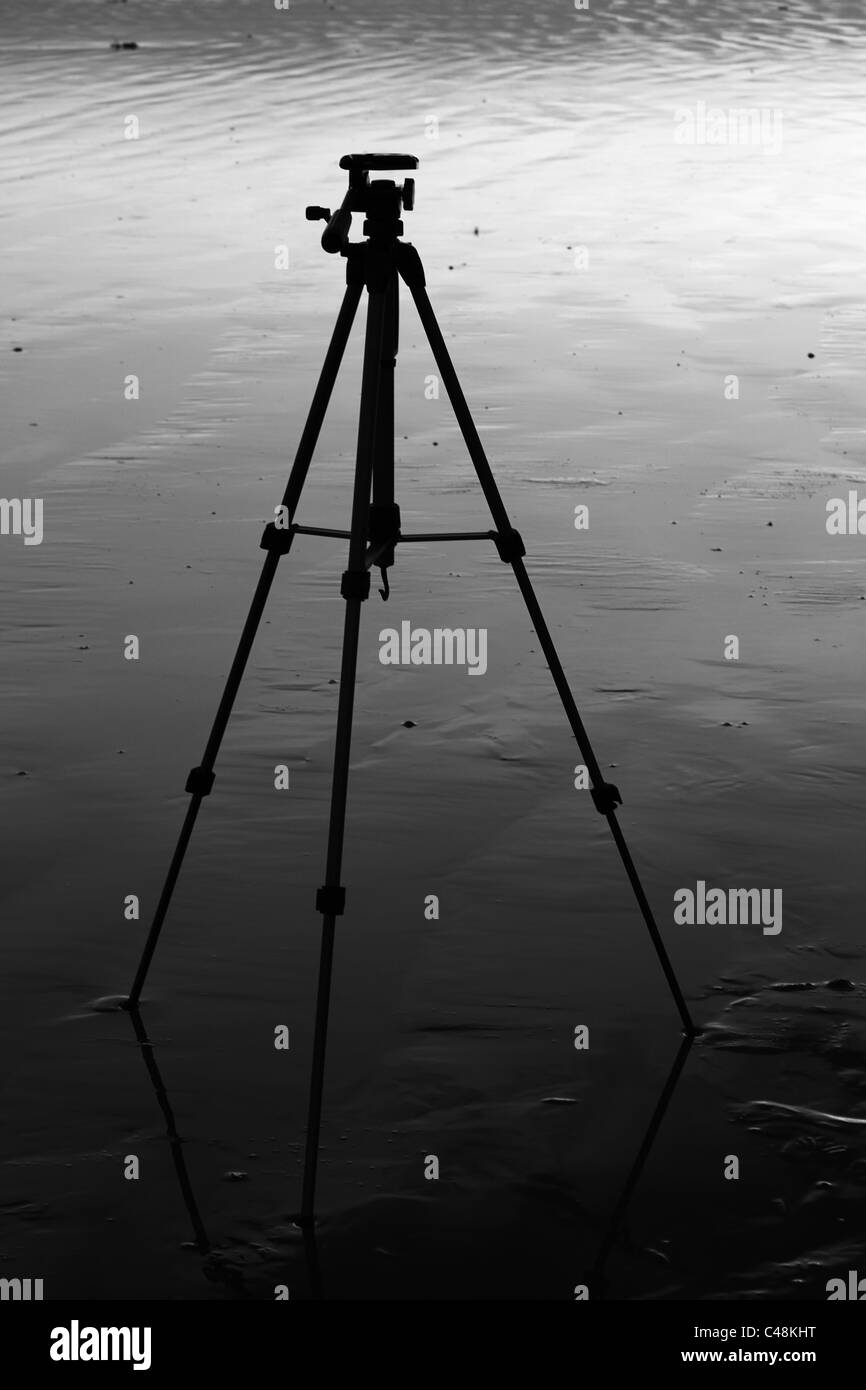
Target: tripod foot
110,1004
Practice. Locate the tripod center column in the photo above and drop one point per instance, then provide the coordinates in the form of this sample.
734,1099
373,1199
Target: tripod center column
383,226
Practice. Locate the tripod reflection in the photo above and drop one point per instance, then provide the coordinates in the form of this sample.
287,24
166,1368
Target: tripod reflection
218,1268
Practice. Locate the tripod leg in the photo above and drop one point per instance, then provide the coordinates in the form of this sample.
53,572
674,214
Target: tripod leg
355,587
201,778
605,797
324,387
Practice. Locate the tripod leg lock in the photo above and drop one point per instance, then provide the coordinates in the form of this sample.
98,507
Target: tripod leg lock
355,584
384,522
606,798
509,544
277,538
331,901
200,781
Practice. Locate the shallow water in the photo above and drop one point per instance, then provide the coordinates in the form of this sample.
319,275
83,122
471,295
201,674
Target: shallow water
599,383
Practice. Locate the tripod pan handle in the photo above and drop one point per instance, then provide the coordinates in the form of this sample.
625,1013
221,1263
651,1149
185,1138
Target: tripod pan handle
336,234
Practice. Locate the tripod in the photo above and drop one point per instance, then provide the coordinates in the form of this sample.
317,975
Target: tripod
377,264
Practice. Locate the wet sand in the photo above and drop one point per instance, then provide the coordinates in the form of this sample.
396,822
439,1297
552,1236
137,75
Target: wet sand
601,386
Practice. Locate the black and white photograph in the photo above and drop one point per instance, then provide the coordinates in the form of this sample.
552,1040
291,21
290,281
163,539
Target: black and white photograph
433,584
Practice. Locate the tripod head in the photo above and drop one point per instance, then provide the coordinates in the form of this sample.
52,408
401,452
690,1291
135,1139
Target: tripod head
381,200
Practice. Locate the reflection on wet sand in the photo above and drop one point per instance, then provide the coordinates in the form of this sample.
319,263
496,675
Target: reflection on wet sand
249,1272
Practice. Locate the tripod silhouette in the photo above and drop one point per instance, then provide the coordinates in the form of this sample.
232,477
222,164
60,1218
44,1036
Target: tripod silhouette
376,264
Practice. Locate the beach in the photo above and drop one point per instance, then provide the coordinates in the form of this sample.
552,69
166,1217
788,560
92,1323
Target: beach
667,334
